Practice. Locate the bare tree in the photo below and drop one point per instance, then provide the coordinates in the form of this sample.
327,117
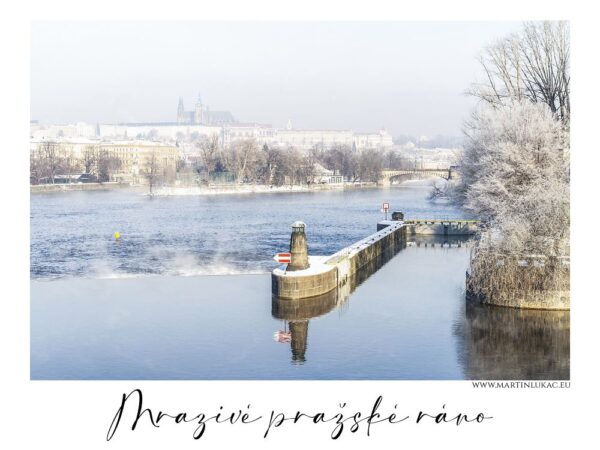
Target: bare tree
107,165
90,159
258,169
393,159
241,158
151,170
369,165
36,169
308,166
70,165
209,153
533,65
285,165
48,153
291,164
343,160
270,174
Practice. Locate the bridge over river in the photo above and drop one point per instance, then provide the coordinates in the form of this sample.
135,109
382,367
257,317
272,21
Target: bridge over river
388,176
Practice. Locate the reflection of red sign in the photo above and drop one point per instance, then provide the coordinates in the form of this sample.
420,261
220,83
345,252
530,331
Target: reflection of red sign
283,258
386,207
282,336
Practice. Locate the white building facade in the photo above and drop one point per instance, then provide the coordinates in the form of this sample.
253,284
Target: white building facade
134,156
228,134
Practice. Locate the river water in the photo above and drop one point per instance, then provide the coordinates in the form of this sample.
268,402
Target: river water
151,306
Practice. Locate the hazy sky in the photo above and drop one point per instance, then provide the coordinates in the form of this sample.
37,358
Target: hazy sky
408,77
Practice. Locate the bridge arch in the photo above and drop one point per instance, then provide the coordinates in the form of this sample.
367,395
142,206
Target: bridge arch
407,174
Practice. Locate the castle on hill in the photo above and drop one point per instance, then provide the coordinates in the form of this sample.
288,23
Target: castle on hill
202,115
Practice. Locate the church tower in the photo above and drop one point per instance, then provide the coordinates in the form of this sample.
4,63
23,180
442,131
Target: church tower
180,112
198,118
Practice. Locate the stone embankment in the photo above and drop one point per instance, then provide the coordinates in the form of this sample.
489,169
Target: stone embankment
500,295
325,273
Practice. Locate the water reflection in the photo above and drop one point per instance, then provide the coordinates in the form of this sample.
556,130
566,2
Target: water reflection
491,342
438,241
297,313
497,343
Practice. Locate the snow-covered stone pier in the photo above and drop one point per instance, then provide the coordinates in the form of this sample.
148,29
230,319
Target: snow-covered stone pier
325,273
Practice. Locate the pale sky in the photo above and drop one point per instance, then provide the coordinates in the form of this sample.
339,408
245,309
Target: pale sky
407,77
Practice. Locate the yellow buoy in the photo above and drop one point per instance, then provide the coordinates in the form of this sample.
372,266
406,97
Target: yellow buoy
117,235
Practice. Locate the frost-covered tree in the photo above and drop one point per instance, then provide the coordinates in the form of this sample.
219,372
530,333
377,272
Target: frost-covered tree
515,168
515,176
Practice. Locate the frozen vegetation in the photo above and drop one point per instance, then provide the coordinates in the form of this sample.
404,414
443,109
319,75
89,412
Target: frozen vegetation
515,170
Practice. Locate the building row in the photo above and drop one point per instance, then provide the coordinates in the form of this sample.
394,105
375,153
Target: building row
135,158
227,134
262,134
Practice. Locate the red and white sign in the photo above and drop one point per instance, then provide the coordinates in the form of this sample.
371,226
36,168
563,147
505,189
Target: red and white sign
282,336
386,207
283,258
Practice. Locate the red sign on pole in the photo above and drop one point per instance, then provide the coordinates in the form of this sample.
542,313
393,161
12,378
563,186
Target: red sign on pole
385,209
283,258
282,336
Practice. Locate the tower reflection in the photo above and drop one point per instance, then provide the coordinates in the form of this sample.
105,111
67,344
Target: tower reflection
298,312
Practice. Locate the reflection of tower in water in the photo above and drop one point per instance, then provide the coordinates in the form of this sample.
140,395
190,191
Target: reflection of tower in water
299,330
298,312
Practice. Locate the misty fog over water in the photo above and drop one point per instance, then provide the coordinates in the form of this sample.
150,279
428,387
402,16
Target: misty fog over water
72,232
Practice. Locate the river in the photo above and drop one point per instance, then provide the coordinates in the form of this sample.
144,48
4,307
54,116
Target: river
151,306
